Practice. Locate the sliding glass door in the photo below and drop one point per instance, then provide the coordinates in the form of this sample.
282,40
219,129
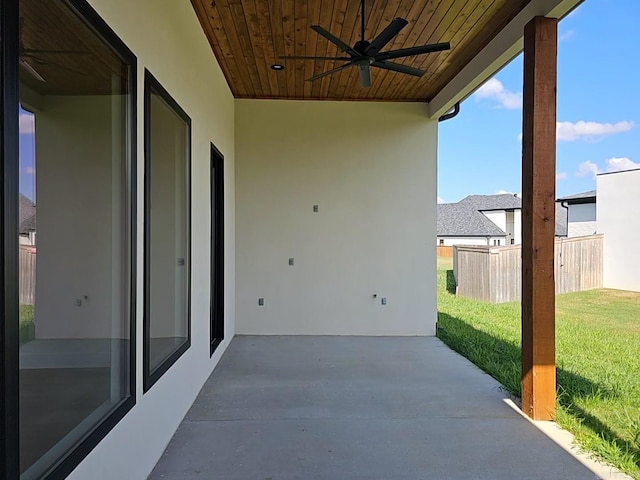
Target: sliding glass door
69,242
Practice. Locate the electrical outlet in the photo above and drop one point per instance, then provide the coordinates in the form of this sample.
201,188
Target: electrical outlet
316,209
383,300
291,261
261,302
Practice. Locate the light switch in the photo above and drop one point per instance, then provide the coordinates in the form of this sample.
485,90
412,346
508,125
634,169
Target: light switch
316,208
261,302
383,300
291,261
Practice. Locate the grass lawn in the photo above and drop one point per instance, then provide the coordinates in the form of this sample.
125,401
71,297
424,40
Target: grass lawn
597,356
27,327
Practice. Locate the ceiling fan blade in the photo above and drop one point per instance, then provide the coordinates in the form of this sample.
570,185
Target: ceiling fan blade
302,57
33,51
407,52
386,36
335,40
329,72
396,67
32,71
365,75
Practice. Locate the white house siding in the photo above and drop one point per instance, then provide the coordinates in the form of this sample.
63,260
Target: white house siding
618,220
499,217
582,219
167,38
514,227
508,221
371,169
449,241
517,227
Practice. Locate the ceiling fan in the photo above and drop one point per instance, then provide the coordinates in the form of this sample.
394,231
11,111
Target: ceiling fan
365,55
30,58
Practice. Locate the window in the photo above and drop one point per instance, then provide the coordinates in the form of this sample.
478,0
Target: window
167,231
496,242
513,241
441,241
70,318
217,249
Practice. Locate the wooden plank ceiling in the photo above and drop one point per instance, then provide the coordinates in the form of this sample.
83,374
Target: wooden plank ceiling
60,55
248,36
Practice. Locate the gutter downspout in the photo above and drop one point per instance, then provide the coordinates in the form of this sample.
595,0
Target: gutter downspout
566,207
451,114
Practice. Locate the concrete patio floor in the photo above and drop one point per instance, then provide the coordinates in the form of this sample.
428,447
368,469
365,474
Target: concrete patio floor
280,408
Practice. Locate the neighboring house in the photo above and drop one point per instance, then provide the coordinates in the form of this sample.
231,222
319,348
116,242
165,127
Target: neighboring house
619,221
27,220
480,220
561,221
581,213
486,220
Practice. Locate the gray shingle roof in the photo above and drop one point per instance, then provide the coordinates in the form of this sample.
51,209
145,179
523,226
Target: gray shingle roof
461,220
579,197
504,201
464,219
26,214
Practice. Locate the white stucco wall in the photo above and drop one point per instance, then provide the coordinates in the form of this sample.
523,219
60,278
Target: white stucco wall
75,219
167,38
371,169
582,219
618,220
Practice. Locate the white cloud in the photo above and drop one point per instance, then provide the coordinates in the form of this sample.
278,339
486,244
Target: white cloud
614,164
588,169
506,192
494,90
441,200
27,123
581,130
561,176
566,35
619,164
569,131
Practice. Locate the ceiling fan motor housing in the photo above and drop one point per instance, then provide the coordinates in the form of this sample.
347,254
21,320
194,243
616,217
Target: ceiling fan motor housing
361,46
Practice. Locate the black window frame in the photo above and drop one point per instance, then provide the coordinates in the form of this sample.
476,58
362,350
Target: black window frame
9,134
9,360
216,331
152,85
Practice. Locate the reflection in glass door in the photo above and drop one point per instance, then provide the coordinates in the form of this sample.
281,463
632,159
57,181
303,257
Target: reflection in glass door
74,233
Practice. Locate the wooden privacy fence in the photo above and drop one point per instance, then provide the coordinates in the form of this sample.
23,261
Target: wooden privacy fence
27,274
444,251
493,274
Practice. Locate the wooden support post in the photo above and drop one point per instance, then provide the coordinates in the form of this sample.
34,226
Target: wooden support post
538,218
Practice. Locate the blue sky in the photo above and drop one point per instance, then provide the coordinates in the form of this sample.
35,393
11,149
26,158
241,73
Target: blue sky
479,151
27,155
